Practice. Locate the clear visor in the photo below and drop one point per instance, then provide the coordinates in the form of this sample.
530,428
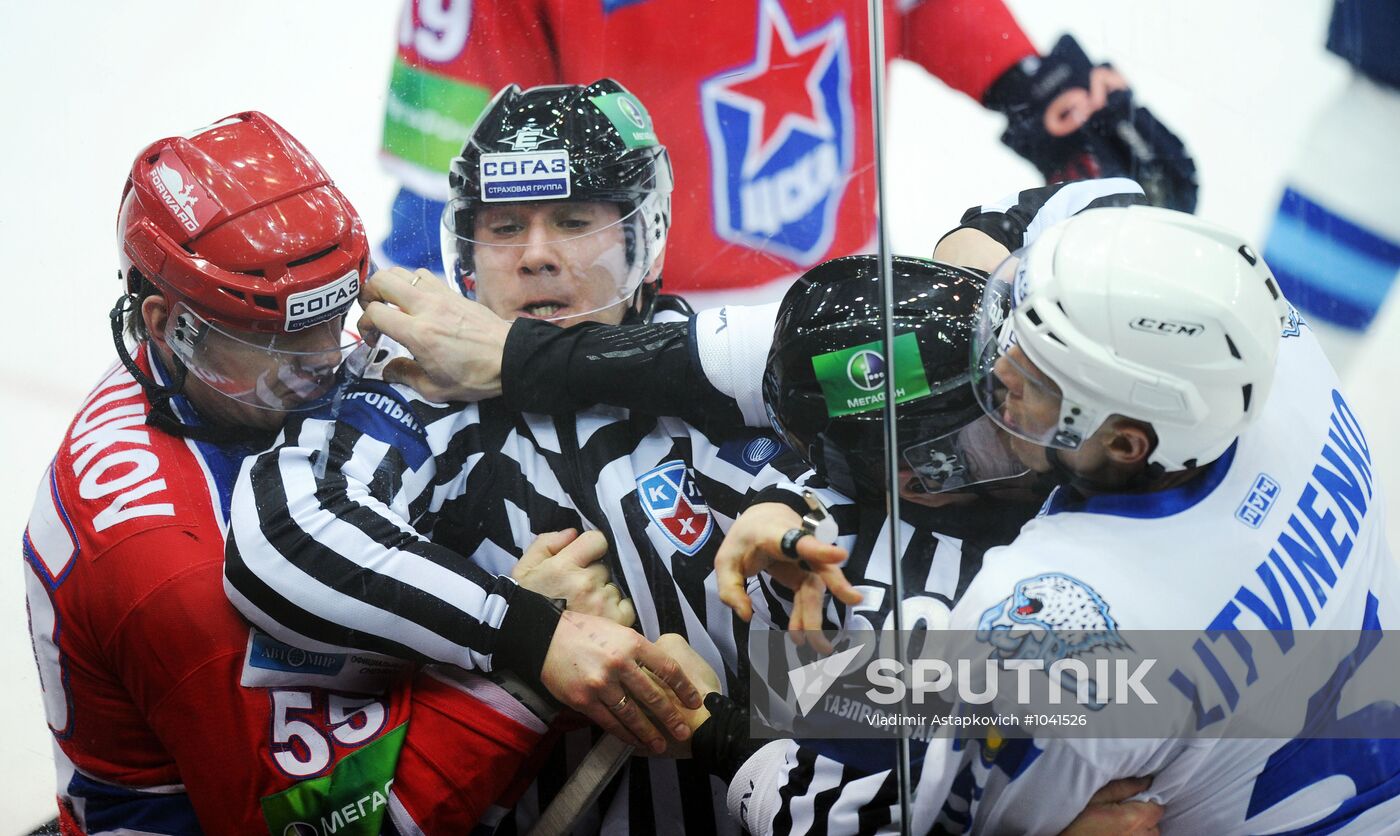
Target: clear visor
561,261
286,372
975,454
1013,392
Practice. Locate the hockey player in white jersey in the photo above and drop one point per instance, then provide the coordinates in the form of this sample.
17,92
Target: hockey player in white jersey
1214,479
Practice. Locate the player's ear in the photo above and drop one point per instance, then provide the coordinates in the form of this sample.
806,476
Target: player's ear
154,313
1130,442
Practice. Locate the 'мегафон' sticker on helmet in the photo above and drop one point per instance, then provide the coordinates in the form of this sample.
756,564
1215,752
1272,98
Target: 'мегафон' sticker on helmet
525,175
853,379
631,120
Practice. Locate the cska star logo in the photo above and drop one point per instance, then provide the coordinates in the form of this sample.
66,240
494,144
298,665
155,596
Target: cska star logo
673,501
780,131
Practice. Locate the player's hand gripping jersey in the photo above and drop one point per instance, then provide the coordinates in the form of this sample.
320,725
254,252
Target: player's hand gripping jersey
764,104
141,660
356,531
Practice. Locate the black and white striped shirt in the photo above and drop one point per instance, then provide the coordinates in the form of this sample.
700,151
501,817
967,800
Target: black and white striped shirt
355,532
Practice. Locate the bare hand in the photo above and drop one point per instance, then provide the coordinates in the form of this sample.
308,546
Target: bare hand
457,344
754,544
566,564
699,671
1110,813
619,680
1068,111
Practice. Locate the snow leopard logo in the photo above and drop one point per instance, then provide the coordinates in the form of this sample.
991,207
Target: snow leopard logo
1049,617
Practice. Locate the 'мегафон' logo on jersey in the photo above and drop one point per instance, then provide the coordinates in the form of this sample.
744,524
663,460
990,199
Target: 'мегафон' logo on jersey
780,131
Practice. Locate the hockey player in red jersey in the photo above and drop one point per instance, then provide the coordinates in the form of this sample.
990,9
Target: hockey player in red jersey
765,104
239,260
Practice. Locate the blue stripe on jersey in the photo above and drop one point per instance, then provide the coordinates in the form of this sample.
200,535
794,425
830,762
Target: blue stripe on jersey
1323,305
1371,765
413,232
610,6
223,462
111,808
1146,506
1327,265
377,410
41,565
1355,237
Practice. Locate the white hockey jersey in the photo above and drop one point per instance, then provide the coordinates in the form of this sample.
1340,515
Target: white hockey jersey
1284,532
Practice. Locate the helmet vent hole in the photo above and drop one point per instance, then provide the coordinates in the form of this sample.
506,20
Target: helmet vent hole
1273,291
1249,255
1059,305
310,258
1051,335
1234,352
1033,317
237,294
1248,394
269,302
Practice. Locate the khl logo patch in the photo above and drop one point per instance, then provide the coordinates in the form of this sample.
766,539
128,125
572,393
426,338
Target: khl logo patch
780,131
673,501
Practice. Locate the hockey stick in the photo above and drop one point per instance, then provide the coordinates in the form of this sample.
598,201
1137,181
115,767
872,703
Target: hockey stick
582,788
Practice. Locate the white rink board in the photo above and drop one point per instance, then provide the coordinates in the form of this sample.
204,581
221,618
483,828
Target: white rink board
88,84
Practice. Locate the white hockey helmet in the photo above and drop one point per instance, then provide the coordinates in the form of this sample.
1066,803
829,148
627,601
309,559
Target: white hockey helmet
1142,312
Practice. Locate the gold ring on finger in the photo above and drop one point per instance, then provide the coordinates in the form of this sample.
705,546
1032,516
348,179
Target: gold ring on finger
621,704
416,277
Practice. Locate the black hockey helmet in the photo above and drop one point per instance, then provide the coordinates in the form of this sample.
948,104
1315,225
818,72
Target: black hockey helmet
590,142
824,385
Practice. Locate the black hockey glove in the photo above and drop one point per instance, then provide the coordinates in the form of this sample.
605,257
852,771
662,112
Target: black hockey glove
722,743
1120,139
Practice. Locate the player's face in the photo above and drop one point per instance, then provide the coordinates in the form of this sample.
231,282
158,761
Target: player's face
1032,404
237,382
559,260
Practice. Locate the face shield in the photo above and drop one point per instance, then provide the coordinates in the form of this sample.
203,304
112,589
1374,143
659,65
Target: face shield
284,372
976,454
561,261
1015,393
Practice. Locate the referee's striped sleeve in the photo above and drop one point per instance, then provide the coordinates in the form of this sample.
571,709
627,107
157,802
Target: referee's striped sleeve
323,552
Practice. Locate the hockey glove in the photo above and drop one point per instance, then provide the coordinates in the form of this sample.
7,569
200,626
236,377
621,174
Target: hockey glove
1075,121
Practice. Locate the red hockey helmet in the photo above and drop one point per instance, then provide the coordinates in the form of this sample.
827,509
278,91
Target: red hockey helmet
252,245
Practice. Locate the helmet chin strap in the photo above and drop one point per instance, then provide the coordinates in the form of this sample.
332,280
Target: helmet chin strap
162,415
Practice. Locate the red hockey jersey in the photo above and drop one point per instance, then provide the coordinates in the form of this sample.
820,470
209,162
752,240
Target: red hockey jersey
763,104
141,658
